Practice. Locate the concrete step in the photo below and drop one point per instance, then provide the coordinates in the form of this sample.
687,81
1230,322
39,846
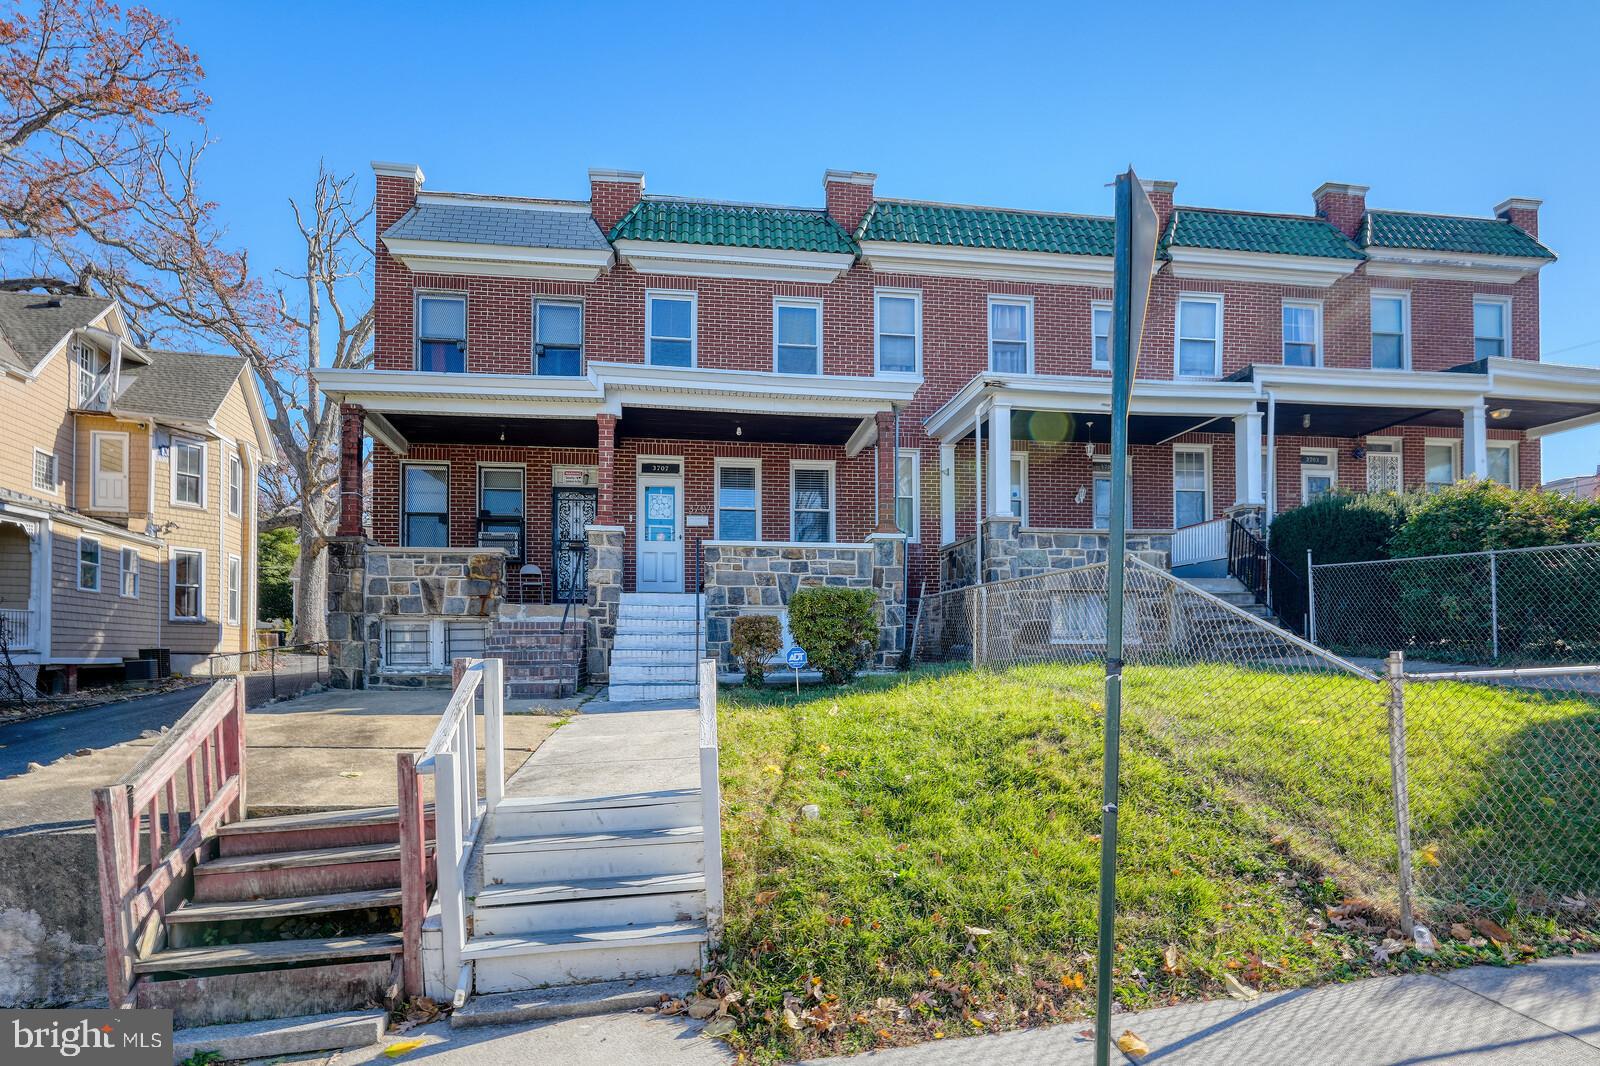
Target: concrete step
269,953
307,872
586,856
630,693
585,904
508,963
555,816
662,674
663,599
282,1036
319,829
570,1001
654,656
655,640
1216,585
256,909
633,613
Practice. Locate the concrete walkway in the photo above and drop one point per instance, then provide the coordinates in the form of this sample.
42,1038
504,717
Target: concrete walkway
612,748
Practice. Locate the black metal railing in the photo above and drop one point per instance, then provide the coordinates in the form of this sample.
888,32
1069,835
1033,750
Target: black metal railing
581,547
271,672
1275,584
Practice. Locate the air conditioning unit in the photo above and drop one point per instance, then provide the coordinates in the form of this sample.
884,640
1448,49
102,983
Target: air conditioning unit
507,539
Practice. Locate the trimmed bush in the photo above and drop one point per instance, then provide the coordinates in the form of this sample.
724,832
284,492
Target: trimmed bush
1339,528
1475,516
837,627
756,638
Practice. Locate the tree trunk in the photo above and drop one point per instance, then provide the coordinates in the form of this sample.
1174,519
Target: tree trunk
311,586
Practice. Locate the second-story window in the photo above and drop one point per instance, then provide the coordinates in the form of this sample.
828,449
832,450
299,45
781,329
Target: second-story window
94,378
558,339
670,328
235,486
1491,332
1100,335
1010,335
1199,336
1391,330
899,327
442,334
188,472
797,336
1302,333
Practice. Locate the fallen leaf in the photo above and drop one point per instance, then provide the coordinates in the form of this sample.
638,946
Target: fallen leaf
1238,989
354,773
1170,962
1130,1045
791,1020
401,1047
701,1007
1429,856
1073,981
719,1027
1460,932
1492,929
764,898
975,930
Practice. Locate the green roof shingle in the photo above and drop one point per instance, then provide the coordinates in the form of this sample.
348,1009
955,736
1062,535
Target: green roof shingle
1241,231
1449,233
983,227
732,226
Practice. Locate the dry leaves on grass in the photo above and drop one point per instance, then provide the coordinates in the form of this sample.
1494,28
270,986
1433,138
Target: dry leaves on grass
1238,989
1171,963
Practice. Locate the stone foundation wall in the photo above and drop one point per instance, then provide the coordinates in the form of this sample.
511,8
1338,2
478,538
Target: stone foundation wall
760,579
1013,550
607,559
957,564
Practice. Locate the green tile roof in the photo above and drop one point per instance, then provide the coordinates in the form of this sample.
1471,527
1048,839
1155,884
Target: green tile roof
732,226
983,227
1449,233
1242,231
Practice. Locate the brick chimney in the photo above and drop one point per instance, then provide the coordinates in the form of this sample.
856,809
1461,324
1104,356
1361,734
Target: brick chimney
1160,193
398,184
849,195
1522,212
1342,205
612,194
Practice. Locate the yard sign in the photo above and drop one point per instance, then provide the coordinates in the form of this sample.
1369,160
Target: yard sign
1136,235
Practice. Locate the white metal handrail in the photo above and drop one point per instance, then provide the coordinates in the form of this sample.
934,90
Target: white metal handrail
451,756
711,798
1202,542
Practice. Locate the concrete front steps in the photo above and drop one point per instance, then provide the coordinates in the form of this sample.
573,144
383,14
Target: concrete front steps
581,892
1231,591
542,653
656,647
295,916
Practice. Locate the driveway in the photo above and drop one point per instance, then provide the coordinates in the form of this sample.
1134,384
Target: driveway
44,740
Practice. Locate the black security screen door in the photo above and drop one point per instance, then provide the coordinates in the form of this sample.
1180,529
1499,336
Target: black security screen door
574,511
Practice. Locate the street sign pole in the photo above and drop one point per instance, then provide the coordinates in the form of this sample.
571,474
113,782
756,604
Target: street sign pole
1136,232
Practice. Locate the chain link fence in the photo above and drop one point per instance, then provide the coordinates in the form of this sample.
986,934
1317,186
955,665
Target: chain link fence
1508,607
1439,794
271,673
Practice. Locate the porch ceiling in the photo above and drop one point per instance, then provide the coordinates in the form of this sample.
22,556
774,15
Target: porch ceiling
1343,420
487,429
760,428
1062,427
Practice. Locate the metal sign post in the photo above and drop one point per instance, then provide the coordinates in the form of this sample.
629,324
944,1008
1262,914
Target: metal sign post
797,662
1137,228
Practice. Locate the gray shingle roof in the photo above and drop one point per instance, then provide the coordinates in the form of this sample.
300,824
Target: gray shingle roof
32,324
521,227
181,386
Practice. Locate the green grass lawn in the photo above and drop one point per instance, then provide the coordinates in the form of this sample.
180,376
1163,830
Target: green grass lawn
948,884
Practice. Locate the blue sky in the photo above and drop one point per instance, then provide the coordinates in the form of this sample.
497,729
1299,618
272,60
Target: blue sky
1446,107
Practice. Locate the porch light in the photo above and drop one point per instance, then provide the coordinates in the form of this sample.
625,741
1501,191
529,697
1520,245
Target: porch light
502,434
1088,445
1305,420
1500,412
738,430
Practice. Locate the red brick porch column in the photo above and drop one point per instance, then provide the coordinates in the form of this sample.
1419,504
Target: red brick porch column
886,473
605,511
351,426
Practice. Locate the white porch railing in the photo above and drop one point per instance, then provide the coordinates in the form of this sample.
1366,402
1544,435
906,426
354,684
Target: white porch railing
16,627
1202,542
452,757
711,798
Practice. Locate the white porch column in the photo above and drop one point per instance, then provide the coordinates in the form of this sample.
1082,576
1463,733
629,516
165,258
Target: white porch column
1247,487
1000,459
1474,442
947,492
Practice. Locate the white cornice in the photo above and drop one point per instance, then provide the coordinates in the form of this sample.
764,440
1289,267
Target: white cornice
516,203
499,260
718,261
397,170
1216,264
896,257
1450,266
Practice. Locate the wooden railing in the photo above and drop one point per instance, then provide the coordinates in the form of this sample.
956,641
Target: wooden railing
451,757
711,798
1203,542
149,829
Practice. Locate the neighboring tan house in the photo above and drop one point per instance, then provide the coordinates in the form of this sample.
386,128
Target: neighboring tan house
1579,486
127,507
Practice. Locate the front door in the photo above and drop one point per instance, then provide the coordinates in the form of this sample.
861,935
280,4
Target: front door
574,511
660,525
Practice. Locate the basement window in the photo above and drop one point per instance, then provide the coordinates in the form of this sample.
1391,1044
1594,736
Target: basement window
431,645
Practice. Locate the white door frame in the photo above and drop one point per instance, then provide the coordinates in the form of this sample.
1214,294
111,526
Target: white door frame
95,437
644,481
1332,471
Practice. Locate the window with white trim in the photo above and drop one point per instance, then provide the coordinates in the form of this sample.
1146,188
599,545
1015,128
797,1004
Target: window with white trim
130,573
738,501
46,476
1385,472
188,585
442,334
235,486
94,378
1100,334
424,505
796,335
670,328
908,493
811,503
501,508
1502,462
1010,334
235,588
899,331
1302,333
1019,487
407,645
558,339
431,645
1191,486
88,564
188,472
1491,327
1319,473
1439,464
1391,330
1079,617
1199,336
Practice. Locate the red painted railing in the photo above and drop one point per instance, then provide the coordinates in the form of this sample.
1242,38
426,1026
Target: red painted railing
150,829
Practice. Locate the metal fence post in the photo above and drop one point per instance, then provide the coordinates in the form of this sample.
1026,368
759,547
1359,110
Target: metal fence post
1494,606
1311,602
272,662
1400,781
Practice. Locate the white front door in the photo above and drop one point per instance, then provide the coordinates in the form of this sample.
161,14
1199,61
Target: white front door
660,525
109,489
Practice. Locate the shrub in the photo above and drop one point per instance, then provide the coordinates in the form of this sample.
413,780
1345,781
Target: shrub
837,627
1338,528
756,638
1478,515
